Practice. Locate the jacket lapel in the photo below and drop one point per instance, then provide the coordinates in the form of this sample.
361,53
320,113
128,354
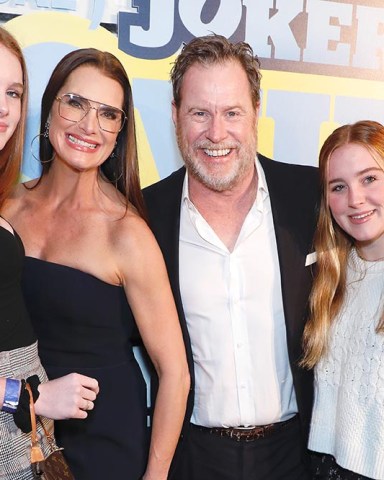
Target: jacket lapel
293,230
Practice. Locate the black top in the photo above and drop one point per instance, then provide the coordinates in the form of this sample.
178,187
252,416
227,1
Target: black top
85,325
15,326
78,318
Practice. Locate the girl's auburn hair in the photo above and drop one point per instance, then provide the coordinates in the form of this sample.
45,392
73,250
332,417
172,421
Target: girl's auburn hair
12,153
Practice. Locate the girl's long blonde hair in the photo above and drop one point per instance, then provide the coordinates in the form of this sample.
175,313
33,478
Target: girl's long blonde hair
332,244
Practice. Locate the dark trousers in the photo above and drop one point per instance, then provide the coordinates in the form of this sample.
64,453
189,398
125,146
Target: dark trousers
207,456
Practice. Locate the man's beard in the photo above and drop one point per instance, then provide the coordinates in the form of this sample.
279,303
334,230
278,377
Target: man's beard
216,177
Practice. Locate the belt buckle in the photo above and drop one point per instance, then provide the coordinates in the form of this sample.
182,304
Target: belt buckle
234,433
247,434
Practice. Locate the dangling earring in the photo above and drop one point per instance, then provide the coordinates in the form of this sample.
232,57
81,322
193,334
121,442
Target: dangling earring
111,177
45,136
113,154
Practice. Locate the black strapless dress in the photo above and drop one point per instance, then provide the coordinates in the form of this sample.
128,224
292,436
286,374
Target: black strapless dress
85,325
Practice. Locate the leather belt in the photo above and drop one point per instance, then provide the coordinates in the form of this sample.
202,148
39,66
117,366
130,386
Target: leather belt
246,434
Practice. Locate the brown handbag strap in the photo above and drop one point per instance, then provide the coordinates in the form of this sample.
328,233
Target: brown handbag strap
36,452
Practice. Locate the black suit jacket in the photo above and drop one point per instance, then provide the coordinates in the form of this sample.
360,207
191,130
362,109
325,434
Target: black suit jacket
293,192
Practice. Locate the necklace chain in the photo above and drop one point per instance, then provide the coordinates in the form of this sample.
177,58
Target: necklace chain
366,260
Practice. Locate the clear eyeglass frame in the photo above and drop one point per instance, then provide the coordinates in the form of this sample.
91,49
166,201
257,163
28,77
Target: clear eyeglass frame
77,113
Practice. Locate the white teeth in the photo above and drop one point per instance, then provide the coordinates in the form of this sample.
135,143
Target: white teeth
217,153
77,141
363,215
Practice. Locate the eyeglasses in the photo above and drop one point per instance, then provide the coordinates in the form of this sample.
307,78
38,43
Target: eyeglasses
74,108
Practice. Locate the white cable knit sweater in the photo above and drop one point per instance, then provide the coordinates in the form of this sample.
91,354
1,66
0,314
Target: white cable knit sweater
348,414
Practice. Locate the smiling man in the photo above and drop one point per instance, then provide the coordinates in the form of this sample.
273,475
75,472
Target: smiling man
236,230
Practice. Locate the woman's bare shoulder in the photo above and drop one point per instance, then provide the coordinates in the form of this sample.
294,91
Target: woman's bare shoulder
131,228
132,234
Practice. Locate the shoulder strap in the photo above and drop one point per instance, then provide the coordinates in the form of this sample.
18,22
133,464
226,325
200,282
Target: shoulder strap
36,452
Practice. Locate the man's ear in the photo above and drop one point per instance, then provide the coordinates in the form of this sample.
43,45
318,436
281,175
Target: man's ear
257,112
174,113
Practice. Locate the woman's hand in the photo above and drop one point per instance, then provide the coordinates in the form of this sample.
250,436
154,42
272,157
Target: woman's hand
67,397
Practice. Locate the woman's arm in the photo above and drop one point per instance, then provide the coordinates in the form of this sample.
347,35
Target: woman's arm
149,294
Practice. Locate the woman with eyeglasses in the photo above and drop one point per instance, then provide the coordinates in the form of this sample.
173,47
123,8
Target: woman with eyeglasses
70,396
94,272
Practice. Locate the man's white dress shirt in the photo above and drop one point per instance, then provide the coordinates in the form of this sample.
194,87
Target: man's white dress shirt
234,312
